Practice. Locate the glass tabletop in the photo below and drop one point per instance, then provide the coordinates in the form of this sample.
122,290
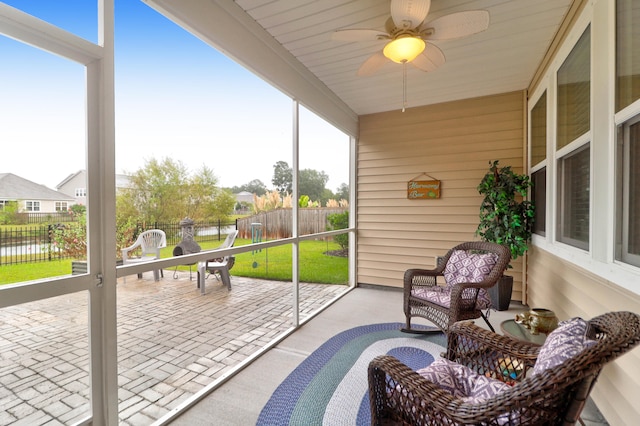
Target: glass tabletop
512,329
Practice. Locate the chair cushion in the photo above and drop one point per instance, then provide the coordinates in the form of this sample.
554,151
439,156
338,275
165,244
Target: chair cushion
461,381
442,296
563,343
465,267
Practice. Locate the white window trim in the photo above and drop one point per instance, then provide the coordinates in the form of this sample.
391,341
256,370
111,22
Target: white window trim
611,270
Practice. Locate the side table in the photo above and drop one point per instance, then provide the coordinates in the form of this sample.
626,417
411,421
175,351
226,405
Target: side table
517,331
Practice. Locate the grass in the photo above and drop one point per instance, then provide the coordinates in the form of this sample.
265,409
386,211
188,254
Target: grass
34,271
273,264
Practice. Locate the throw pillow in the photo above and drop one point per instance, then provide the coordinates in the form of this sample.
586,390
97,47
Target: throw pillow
461,381
563,343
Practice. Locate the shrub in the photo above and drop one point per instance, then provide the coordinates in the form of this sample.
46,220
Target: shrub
339,221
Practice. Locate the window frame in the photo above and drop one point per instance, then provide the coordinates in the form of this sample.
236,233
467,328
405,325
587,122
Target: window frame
623,159
573,147
33,206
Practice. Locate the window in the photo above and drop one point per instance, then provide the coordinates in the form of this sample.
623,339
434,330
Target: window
628,198
627,53
574,92
539,130
573,206
81,192
574,124
538,155
61,206
32,206
3,203
539,180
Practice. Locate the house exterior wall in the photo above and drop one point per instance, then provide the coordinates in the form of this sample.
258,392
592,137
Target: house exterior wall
588,282
78,181
452,142
572,291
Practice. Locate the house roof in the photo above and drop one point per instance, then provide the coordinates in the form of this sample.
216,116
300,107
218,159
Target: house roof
14,187
122,181
68,178
288,43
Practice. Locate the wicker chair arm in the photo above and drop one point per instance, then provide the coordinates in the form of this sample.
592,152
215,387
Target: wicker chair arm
421,277
395,391
402,396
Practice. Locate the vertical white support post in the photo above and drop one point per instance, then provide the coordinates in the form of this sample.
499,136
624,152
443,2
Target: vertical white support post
353,161
295,211
101,224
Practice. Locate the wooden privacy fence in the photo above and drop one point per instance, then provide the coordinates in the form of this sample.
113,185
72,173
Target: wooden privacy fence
277,223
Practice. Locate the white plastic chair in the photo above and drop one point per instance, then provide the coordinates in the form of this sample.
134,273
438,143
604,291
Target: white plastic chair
150,242
219,265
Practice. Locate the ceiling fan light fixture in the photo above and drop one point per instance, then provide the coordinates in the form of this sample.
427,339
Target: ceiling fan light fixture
404,49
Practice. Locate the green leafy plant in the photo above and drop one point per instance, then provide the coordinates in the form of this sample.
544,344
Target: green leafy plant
71,238
339,221
506,216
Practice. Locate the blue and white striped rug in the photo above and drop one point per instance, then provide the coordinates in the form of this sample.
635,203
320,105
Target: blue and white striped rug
330,386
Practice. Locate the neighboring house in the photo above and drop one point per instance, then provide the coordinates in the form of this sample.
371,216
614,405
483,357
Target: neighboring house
31,197
75,185
244,197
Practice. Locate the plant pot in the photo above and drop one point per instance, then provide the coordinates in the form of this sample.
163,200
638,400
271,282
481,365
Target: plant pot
500,294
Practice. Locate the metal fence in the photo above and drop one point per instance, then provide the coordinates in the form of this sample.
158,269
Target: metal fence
26,244
32,218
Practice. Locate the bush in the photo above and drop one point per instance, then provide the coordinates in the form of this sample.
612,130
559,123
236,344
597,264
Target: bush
339,221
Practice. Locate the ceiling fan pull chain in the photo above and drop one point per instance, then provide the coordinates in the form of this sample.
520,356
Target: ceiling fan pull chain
404,85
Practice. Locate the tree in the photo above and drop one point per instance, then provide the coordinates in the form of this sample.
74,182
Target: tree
282,178
164,191
255,186
342,193
223,203
312,183
158,190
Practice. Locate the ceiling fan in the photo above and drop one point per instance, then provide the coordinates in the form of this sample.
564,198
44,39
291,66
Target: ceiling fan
408,36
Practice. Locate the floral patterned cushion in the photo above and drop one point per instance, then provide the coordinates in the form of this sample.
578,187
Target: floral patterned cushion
461,381
563,343
442,296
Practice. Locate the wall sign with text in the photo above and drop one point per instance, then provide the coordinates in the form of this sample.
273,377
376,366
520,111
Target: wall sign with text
423,189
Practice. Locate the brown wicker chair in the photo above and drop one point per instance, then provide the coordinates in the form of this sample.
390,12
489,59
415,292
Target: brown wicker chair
556,396
462,305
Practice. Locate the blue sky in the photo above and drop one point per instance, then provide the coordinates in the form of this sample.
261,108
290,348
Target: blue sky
175,97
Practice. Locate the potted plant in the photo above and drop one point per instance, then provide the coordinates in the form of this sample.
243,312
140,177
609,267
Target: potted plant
506,217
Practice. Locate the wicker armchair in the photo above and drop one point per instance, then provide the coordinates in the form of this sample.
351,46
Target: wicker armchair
555,396
427,295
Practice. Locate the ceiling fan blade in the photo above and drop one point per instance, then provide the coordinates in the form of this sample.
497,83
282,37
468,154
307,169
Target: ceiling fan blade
456,25
430,59
373,64
356,34
409,13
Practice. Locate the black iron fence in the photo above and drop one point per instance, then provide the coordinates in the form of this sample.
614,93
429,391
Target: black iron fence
26,244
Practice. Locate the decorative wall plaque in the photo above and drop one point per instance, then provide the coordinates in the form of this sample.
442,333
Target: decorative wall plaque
423,189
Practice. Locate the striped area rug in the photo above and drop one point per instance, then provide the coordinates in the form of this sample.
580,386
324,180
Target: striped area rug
330,386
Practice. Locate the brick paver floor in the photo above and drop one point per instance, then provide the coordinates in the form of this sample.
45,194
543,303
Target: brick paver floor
172,342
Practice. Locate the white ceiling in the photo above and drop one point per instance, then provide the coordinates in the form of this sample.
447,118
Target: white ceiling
501,59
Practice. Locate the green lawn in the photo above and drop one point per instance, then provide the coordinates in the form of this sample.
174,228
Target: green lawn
273,264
